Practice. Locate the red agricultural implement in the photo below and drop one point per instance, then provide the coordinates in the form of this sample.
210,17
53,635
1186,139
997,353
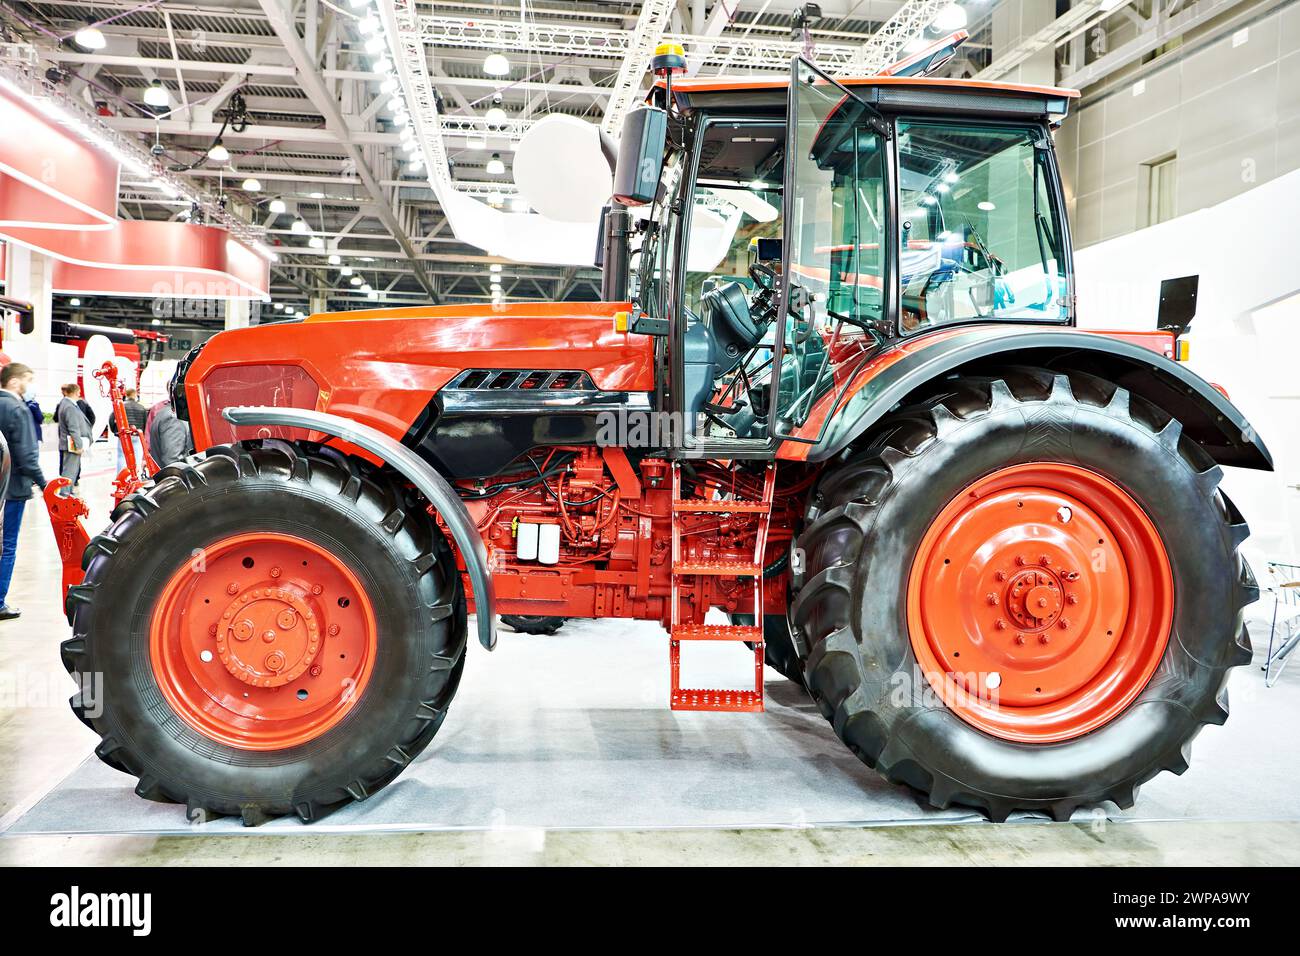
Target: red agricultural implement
834,389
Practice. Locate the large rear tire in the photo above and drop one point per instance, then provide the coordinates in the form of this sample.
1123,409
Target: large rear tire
1023,593
532,623
278,629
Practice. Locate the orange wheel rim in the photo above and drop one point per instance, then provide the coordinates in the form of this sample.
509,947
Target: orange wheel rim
263,641
1040,602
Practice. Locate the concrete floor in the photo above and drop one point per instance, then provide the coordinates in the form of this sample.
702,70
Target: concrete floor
41,742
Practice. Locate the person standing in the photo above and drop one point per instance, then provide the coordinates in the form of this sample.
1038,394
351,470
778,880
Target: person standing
25,470
74,434
136,416
169,437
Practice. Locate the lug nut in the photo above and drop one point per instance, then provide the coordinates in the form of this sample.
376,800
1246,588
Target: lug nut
232,588
992,598
1044,639
1020,638
333,630
1001,575
316,589
1044,560
1065,624
315,670
1072,599
1001,625
276,572
1020,560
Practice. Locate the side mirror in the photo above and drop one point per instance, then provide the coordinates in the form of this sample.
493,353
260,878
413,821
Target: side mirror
640,156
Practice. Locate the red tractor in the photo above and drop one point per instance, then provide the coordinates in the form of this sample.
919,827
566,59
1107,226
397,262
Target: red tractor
834,390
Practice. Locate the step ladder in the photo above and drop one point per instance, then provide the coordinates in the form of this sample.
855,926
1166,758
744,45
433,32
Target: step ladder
733,701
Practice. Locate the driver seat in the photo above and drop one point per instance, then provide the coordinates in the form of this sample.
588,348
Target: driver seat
734,331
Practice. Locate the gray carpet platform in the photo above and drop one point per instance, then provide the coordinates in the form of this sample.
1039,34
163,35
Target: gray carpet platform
572,731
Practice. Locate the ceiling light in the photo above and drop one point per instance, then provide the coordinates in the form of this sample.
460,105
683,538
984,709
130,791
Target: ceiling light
365,287
368,24
316,242
395,104
298,226
372,294
317,195
987,206
495,283
218,152
90,37
496,116
950,177
518,205
949,18
942,188
495,167
156,322
74,301
357,4
355,280
496,64
278,306
382,65
277,206
409,145
389,85
155,94
416,165
495,267
345,271
335,259
757,184
927,200
251,185
375,45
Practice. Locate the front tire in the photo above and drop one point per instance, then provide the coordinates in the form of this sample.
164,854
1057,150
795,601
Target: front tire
279,629
1083,682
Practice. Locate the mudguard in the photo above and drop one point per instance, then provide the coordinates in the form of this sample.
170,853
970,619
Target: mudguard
1207,416
414,469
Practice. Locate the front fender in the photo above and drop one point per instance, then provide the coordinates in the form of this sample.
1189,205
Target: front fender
415,470
1207,416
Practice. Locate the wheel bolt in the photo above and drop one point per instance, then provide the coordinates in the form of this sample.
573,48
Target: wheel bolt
1020,560
1020,638
1001,575
212,630
1044,639
1065,624
1001,625
992,598
333,630
232,588
1044,560
315,670
276,572
316,589
1072,599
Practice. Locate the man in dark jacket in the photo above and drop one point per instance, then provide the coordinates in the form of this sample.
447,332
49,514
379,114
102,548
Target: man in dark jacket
136,416
25,470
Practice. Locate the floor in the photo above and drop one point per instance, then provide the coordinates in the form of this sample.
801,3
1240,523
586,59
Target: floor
45,781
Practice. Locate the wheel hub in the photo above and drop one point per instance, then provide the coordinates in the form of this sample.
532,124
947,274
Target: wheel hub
265,643
1022,601
288,632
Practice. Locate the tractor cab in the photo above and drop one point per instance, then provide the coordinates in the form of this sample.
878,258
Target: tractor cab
796,229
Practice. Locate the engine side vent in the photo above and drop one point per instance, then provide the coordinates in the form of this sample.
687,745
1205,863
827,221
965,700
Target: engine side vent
531,380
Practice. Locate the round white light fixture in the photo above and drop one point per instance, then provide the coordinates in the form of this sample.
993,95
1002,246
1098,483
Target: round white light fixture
495,167
382,65
949,18
368,25
365,287
345,271
495,267
375,45
90,37
277,206
372,294
251,185
409,146
355,280
389,85
278,306
298,226
335,259
496,64
218,152
495,116
395,104
316,242
986,206
155,94
357,4
402,118
317,195
74,301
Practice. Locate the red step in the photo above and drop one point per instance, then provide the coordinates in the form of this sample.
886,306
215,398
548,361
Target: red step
717,632
733,506
729,701
726,569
